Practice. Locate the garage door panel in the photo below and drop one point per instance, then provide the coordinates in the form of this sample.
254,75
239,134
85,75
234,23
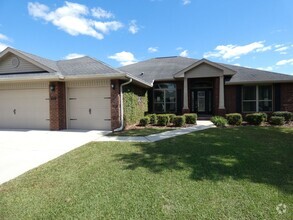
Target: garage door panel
24,109
89,108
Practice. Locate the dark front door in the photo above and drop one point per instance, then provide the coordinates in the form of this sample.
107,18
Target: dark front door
201,101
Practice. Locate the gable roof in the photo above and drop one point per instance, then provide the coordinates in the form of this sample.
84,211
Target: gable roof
165,68
83,67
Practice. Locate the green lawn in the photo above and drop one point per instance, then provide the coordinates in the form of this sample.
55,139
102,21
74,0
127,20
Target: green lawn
230,173
140,132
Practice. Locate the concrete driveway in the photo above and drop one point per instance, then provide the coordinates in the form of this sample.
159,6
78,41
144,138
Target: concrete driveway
21,151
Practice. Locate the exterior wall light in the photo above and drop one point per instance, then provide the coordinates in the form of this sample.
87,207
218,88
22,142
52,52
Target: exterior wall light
52,87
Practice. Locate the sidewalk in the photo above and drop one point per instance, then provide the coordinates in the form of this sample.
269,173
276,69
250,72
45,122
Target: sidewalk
201,125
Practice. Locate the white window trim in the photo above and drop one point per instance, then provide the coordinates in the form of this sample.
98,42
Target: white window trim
256,100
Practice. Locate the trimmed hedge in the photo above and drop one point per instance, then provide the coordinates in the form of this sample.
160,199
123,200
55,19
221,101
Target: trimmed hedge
179,121
171,117
190,118
234,118
277,120
163,119
264,116
144,121
219,121
287,115
153,118
255,118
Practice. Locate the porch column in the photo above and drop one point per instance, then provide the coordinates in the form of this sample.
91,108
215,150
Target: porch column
185,96
221,95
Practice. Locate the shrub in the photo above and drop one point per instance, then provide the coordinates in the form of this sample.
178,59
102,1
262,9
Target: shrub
277,120
153,119
264,116
287,115
234,118
179,121
171,117
190,118
255,119
144,121
163,119
219,121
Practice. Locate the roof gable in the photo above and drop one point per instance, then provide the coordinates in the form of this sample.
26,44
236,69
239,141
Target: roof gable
204,62
36,61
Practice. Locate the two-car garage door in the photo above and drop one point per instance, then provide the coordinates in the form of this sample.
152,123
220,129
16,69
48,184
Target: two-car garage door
24,106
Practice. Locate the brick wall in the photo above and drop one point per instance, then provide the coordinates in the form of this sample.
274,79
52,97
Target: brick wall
115,104
57,106
230,98
287,97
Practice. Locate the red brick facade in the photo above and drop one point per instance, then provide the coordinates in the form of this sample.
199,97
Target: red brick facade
230,99
115,104
287,97
57,105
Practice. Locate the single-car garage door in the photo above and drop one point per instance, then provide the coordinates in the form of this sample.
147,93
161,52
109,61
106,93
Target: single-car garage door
88,105
24,106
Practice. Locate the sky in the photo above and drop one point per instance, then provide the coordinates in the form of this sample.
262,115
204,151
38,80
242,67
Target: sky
251,33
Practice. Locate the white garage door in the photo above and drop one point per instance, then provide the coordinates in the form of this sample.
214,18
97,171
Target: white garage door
89,107
24,106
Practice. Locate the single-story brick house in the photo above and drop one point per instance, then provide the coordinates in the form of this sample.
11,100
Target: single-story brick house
83,93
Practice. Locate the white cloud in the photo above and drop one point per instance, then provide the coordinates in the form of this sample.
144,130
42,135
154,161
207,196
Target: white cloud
281,49
269,68
186,2
284,62
236,64
279,45
153,49
124,58
73,56
101,13
133,28
4,37
3,46
73,18
232,52
179,48
184,53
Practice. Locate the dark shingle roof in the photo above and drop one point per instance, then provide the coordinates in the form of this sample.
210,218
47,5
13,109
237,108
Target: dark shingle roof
164,68
85,66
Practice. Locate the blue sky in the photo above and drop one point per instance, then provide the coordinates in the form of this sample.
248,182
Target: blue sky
251,33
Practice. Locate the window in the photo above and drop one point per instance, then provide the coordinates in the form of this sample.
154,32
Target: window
257,98
165,97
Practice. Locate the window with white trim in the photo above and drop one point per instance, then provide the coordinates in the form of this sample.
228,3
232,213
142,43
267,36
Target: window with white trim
165,98
257,98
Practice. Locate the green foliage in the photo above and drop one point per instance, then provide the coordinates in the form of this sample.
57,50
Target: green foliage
179,121
287,115
234,118
144,121
163,119
264,116
135,104
153,119
255,118
190,118
171,117
277,120
219,121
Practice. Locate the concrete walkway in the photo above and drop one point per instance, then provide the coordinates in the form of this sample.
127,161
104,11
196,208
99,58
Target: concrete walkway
201,125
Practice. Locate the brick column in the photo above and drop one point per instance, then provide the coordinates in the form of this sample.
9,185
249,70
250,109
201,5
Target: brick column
185,96
57,106
115,104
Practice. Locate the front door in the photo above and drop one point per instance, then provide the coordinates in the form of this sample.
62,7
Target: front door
201,101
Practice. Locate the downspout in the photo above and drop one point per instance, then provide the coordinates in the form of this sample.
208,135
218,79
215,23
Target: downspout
121,106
